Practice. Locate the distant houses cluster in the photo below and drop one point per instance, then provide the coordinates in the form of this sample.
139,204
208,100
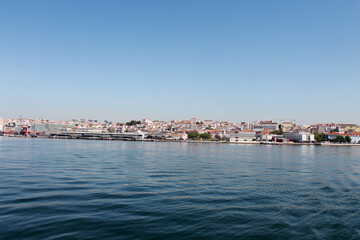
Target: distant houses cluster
193,129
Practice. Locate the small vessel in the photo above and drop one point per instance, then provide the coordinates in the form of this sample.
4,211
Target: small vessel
25,131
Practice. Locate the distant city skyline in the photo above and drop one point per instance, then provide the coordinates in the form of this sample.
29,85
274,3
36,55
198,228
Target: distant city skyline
232,61
191,119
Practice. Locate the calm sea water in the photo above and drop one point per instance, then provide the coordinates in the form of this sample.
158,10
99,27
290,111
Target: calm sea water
79,189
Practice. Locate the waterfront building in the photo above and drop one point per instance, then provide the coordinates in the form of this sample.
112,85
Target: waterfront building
264,136
214,133
355,137
177,136
46,127
300,136
334,135
246,135
17,129
39,127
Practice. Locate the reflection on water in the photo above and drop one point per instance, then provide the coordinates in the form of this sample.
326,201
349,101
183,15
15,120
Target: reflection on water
78,189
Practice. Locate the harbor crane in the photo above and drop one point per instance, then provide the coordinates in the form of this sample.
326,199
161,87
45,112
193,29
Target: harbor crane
66,124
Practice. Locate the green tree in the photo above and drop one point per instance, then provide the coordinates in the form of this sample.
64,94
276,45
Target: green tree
320,137
348,139
277,132
133,122
193,135
340,139
205,136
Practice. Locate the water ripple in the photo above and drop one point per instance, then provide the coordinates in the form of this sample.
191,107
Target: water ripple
70,189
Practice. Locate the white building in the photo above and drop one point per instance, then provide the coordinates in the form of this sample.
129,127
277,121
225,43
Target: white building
266,136
195,119
300,136
177,136
1,125
146,121
268,125
242,136
355,137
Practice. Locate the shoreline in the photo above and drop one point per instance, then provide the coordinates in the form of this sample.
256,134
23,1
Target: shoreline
200,141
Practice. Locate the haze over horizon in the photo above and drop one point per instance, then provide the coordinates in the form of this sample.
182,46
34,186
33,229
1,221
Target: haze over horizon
232,61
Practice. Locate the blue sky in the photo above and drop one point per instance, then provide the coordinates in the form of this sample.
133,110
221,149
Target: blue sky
220,60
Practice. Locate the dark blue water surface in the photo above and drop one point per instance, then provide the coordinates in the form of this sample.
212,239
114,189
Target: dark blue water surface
80,189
